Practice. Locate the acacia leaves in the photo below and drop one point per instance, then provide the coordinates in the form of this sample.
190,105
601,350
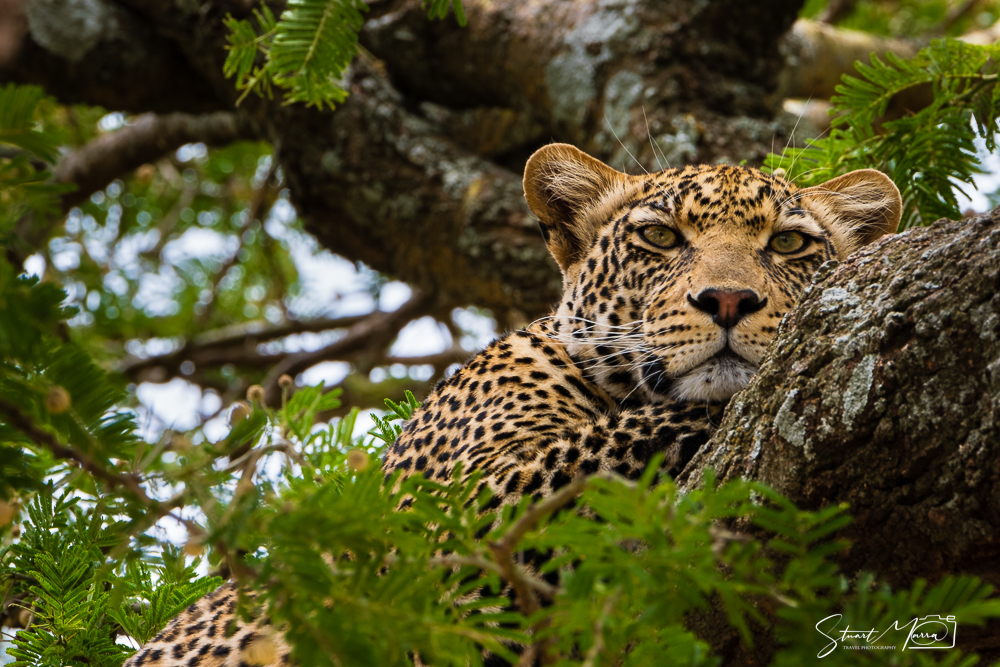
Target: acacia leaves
306,51
25,181
928,153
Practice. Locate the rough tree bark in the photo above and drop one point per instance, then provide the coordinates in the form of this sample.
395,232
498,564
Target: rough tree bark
882,390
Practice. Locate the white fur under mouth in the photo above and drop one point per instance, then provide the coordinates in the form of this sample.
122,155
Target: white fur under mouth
715,380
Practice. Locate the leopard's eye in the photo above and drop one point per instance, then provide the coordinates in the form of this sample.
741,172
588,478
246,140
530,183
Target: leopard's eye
660,236
787,242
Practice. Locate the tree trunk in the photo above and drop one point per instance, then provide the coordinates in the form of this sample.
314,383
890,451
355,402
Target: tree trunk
882,390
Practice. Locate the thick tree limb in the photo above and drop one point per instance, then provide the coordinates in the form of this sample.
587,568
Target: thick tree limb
577,67
148,138
817,55
386,188
98,52
882,390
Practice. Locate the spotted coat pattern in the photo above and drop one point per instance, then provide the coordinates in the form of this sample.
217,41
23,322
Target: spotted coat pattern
673,287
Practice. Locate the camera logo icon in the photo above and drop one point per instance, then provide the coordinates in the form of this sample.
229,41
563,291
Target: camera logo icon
932,631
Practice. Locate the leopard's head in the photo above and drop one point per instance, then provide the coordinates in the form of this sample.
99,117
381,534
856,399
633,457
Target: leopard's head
674,283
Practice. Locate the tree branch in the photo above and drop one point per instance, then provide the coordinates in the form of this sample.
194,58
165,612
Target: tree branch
817,55
236,344
374,332
104,54
503,548
146,139
24,423
598,646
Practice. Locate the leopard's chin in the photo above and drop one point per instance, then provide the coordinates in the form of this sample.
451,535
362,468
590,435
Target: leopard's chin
714,381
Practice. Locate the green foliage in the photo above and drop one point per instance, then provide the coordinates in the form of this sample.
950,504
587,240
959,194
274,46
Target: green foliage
306,51
80,593
24,180
54,385
384,429
927,153
912,18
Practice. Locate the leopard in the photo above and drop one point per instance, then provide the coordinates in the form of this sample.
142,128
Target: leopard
673,285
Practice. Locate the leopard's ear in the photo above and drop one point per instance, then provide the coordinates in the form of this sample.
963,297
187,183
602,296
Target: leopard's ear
864,205
573,196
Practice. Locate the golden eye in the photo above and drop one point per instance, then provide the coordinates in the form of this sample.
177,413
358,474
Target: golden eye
660,236
787,242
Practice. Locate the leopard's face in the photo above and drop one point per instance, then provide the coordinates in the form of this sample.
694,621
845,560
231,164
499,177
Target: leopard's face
675,282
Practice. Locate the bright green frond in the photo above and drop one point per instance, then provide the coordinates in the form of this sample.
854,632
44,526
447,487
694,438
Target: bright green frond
17,126
928,154
306,51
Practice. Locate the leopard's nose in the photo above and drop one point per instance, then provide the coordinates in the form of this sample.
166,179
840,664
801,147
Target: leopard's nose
727,308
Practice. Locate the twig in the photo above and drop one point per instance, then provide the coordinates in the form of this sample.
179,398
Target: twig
529,656
256,206
836,10
598,646
228,345
168,221
539,511
542,586
285,447
374,331
956,15
503,549
248,463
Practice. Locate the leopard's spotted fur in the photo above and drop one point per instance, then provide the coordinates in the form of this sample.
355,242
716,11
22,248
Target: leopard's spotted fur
639,358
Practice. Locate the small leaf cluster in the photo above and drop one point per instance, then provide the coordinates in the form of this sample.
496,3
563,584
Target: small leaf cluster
306,51
54,385
384,429
928,153
75,591
25,179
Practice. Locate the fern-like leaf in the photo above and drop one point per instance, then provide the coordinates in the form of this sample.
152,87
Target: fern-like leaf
929,154
306,51
17,109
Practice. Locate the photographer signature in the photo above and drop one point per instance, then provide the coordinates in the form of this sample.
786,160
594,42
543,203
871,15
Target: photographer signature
931,631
